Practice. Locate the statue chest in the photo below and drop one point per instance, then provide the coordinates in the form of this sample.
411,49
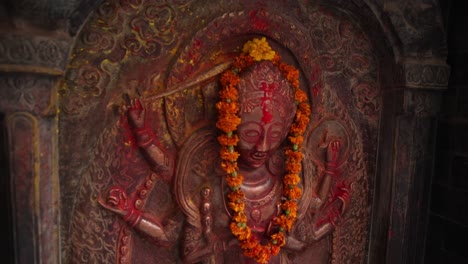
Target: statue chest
260,209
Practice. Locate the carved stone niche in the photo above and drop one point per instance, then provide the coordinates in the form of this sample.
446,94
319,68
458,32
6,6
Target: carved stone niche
170,56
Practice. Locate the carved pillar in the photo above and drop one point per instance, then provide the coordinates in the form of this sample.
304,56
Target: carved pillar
413,148
29,71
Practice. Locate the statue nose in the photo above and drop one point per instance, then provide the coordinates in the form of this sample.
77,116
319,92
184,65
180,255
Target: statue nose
262,144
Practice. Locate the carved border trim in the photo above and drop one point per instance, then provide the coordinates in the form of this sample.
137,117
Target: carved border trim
33,54
426,76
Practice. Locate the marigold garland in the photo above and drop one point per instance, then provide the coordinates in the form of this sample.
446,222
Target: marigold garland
228,121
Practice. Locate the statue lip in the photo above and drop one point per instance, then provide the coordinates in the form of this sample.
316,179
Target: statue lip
259,155
257,159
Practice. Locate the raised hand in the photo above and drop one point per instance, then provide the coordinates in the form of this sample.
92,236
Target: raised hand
333,151
136,113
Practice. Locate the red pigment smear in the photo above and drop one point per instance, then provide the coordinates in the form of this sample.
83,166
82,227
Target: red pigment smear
267,99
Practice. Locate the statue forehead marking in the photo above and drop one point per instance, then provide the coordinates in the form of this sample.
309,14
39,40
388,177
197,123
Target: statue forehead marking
264,86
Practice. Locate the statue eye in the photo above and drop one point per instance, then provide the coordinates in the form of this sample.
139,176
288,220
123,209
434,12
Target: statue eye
251,134
275,134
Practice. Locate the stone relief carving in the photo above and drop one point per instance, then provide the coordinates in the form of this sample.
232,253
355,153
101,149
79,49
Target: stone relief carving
107,62
426,76
25,92
37,51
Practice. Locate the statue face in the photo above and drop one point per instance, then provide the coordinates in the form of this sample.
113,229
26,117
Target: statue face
266,109
257,139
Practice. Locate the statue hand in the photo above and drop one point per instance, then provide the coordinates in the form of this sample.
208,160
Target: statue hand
136,113
333,151
116,201
342,192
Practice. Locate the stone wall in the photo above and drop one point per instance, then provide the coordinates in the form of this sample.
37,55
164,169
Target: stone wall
448,216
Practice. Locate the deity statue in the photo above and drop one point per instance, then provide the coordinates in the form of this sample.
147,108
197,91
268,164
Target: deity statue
240,214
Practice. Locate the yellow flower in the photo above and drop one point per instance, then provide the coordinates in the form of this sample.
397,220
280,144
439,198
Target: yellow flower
259,49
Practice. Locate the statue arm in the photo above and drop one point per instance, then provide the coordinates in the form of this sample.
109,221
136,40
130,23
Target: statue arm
146,140
331,202
118,203
325,219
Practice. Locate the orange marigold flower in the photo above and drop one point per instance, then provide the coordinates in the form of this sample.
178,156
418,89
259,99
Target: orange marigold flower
234,181
276,59
294,156
227,155
236,207
300,96
264,256
227,108
284,222
298,128
239,218
305,109
236,195
296,140
239,231
295,83
292,75
293,167
299,114
229,167
225,140
275,250
294,193
229,92
228,77
289,205
290,209
291,179
242,61
280,239
302,123
245,233
228,123
249,244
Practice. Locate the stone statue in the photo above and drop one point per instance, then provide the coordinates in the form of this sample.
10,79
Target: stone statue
267,107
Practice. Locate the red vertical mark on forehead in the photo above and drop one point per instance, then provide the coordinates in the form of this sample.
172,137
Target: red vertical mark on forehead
267,101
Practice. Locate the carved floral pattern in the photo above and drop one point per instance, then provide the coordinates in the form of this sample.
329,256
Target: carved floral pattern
26,93
37,51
